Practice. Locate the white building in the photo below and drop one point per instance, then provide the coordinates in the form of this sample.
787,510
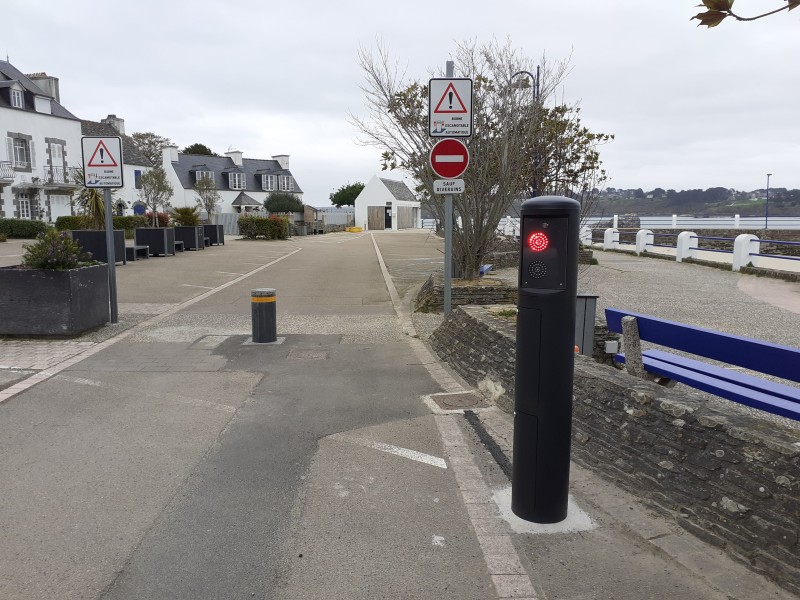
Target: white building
244,184
42,147
387,204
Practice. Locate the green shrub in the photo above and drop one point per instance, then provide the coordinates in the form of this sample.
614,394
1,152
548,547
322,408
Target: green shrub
188,216
269,228
22,228
55,251
69,223
3,237
129,224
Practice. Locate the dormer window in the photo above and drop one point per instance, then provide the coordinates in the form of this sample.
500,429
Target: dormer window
268,183
287,183
198,175
16,99
236,181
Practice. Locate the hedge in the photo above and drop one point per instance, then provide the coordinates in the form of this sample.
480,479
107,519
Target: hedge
269,228
126,223
22,228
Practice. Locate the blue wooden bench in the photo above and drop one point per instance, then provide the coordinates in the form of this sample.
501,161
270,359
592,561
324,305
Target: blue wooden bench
485,269
754,355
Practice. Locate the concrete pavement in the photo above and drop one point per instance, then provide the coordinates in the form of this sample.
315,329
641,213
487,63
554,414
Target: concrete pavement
168,458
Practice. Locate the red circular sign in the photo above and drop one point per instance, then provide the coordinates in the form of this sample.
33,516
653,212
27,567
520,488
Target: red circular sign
449,158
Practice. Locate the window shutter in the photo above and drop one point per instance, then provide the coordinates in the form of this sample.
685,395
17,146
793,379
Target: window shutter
10,149
33,154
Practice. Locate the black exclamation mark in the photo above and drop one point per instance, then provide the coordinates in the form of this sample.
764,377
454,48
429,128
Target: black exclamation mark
102,158
450,95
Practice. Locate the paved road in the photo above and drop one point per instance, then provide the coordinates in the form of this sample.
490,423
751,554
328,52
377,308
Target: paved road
166,457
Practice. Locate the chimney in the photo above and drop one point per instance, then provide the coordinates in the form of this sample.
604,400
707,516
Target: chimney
116,123
235,156
283,160
48,84
170,155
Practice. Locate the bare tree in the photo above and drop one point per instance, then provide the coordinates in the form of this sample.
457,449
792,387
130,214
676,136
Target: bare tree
506,152
207,196
155,191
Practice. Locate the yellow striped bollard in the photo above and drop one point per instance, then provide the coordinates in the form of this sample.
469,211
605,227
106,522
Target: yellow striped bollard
265,325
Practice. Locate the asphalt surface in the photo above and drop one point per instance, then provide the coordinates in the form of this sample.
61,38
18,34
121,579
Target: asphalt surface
168,457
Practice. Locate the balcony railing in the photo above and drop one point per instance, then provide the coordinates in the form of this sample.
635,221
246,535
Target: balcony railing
6,170
60,175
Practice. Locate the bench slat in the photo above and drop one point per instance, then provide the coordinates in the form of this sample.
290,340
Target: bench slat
764,357
725,389
743,379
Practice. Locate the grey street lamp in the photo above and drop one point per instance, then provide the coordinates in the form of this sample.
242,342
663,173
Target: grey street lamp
766,206
535,79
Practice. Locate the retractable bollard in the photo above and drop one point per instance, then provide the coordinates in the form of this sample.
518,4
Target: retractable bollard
548,280
265,324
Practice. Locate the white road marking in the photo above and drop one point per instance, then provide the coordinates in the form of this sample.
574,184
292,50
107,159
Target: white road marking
427,459
205,287
229,273
437,540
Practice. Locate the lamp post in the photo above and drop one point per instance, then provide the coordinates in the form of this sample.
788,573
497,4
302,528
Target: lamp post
535,78
766,207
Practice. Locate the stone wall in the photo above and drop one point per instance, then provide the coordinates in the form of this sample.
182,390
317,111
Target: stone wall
486,290
731,479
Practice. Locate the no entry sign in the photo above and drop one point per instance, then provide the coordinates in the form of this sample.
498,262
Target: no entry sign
449,158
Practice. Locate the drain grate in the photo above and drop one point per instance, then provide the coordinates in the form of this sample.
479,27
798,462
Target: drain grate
299,354
458,400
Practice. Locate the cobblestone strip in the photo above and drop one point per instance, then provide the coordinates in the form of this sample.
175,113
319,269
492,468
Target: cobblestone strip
30,354
508,575
17,388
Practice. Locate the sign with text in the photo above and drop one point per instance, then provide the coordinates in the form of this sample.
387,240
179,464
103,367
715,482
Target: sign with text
448,186
102,162
450,107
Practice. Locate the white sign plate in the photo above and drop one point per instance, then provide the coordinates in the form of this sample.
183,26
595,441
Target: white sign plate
102,162
450,107
448,186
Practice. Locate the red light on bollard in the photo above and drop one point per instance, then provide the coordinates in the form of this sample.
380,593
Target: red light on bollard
538,241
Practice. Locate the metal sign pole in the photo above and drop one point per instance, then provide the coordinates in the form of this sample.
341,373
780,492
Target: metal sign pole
112,272
448,235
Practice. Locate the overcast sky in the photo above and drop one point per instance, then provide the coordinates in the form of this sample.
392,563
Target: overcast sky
690,107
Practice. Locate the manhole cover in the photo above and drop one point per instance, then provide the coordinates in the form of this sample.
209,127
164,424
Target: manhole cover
458,400
307,355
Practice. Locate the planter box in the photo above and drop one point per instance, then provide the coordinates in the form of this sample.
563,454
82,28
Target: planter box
161,240
192,237
94,241
216,233
42,302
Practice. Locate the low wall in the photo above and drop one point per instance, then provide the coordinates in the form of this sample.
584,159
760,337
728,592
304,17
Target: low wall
485,290
730,479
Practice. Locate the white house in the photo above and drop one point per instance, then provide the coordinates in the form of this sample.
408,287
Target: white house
244,184
134,163
42,147
387,204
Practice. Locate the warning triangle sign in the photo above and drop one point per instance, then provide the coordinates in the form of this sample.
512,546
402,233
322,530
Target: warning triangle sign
450,102
101,157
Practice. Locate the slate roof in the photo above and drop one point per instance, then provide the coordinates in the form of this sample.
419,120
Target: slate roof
399,190
244,200
9,73
131,155
222,165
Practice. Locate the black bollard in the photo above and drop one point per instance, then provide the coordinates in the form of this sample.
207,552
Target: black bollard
548,280
265,324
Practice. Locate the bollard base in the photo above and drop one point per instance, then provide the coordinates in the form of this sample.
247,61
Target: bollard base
249,342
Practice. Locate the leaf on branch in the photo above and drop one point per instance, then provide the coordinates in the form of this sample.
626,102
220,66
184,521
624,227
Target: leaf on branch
719,5
793,4
710,18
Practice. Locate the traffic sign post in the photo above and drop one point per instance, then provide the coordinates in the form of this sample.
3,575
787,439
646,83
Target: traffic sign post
103,169
548,282
450,107
449,158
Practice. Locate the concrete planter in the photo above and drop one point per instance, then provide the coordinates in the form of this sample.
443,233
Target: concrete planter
42,302
94,241
160,240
